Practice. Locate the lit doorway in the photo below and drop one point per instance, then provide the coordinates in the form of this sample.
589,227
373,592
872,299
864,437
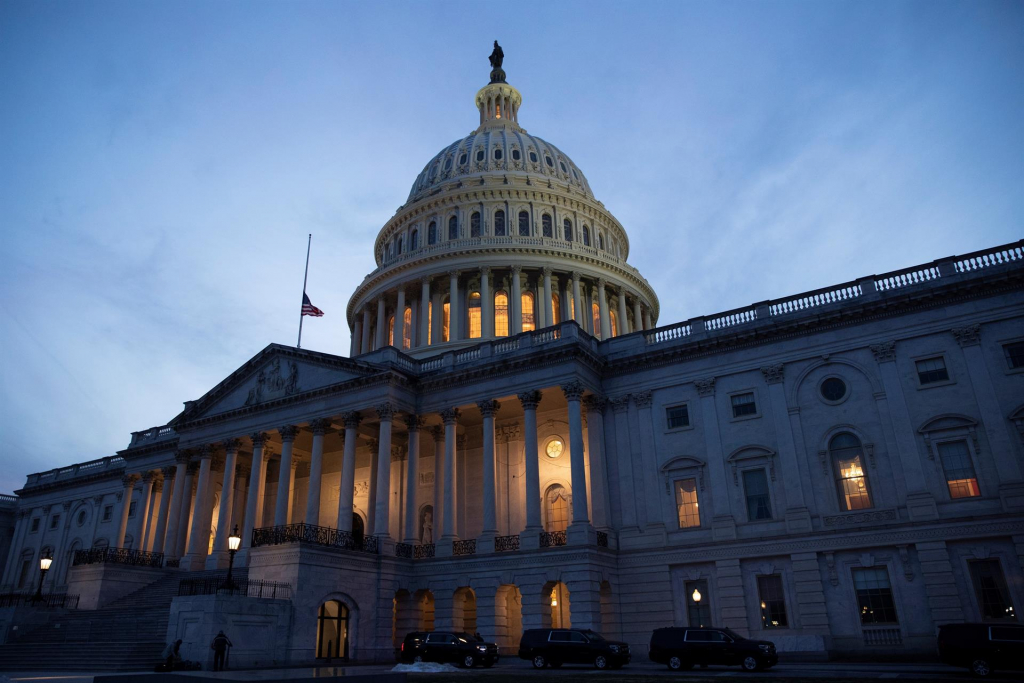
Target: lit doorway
332,631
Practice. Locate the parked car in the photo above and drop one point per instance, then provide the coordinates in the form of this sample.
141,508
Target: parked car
982,648
681,648
557,646
447,647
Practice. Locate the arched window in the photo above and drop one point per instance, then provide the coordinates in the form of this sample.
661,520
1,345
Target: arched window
332,631
499,223
600,241
501,313
474,224
615,323
572,306
445,321
414,240
586,236
398,246
529,320
567,229
430,323
432,233
407,328
596,316
556,308
524,224
453,228
556,507
848,465
391,330
545,222
474,315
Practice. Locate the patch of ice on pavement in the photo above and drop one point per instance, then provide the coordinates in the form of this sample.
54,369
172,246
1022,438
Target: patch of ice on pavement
427,668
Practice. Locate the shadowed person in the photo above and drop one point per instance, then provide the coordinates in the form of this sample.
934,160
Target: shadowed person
220,645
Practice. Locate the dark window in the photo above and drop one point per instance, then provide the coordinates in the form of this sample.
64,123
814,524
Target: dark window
567,229
448,164
743,404
755,486
479,155
932,370
499,223
550,163
81,518
545,222
516,156
533,156
1014,355
575,174
600,242
35,525
586,236
108,512
524,224
833,389
131,508
564,169
874,596
463,159
54,521
576,637
698,636
773,603
414,240
698,611
398,246
560,637
474,224
677,416
432,233
851,480
453,228
990,589
497,153
959,469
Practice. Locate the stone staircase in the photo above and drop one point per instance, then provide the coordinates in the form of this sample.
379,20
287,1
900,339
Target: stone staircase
129,634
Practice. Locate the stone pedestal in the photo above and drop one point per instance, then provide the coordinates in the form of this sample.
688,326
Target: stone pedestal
581,533
798,520
485,543
444,548
529,538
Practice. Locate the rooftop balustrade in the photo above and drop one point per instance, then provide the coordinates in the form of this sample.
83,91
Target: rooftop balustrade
112,463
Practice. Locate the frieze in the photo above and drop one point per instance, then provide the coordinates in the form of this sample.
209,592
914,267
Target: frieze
860,518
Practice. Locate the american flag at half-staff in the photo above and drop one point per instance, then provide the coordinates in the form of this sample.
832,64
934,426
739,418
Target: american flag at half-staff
307,306
309,309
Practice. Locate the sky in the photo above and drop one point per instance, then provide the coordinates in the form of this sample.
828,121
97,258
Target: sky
161,164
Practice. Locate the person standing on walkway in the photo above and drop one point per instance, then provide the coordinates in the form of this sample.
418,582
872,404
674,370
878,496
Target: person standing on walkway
220,645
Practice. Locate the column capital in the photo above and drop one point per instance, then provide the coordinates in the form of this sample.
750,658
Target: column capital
573,391
485,271
516,268
413,422
437,431
288,433
204,452
192,468
352,419
643,398
488,408
576,275
450,415
169,471
453,273
594,403
426,280
147,477
601,283
183,456
530,399
320,426
385,412
705,386
129,480
885,351
969,335
773,374
621,291
158,486
231,445
620,404
546,271
259,439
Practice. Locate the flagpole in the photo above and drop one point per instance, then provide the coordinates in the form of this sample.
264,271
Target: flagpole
305,276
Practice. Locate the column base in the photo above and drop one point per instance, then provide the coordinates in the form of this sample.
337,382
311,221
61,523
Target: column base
445,546
485,542
218,559
921,506
385,545
798,520
723,528
581,533
529,538
193,563
1011,495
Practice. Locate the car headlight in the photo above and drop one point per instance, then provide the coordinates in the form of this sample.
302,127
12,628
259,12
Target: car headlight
482,648
765,647
613,648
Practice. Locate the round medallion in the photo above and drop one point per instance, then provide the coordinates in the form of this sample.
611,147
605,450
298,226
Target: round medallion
554,448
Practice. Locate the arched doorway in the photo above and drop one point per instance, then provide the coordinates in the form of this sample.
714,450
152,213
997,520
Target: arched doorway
464,610
358,528
508,612
332,631
557,597
425,602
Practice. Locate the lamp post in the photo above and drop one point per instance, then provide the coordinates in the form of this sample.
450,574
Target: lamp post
44,566
234,541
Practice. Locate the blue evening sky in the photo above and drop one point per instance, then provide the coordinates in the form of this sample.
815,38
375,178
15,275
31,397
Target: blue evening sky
162,163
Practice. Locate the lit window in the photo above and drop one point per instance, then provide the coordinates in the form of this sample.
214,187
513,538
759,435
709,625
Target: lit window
545,222
613,317
556,308
529,321
567,229
432,233
557,504
743,404
990,589
848,463
499,223
474,224
686,503
407,328
501,313
391,330
586,236
874,596
524,224
1014,355
453,228
474,315
554,447
960,476
595,311
931,370
430,323
572,307
677,416
755,487
497,110
773,603
445,315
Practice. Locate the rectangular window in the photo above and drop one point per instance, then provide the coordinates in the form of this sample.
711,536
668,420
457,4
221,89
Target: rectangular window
445,322
686,503
755,486
1014,354
698,604
35,525
743,404
990,589
773,602
108,512
131,508
931,370
956,462
677,416
874,596
54,521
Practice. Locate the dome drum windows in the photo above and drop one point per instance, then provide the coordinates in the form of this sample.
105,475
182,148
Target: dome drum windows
524,224
414,240
533,157
567,230
516,155
474,224
545,222
480,155
463,158
561,165
499,223
432,233
453,228
498,154
548,161
586,236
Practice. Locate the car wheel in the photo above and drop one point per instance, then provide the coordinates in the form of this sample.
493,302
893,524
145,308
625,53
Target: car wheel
539,662
418,658
675,664
981,667
468,661
750,663
601,662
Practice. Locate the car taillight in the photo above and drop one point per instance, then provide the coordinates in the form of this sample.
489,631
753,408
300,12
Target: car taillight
403,648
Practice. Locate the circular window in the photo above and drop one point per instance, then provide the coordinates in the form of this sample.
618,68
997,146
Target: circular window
833,389
549,162
497,153
533,157
81,518
554,447
516,155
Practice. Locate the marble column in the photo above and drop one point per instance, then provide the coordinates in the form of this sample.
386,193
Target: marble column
602,302
128,481
648,325
485,543
257,481
348,471
382,510
199,536
516,307
399,340
413,423
424,319
142,512
319,427
180,502
638,321
577,298
549,310
240,498
364,342
580,530
596,454
437,433
448,536
530,537
284,477
382,324
453,306
486,304
219,558
623,321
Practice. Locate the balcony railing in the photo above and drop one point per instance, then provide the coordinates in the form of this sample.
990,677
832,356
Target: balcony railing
51,600
250,588
467,547
883,636
549,539
504,543
126,556
403,550
313,535
602,539
422,551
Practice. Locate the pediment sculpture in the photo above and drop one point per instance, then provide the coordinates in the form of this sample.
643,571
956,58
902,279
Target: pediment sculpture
272,382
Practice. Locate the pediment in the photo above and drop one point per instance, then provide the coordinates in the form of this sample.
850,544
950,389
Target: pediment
944,422
277,372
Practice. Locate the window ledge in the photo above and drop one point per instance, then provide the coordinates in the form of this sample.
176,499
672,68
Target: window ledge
932,385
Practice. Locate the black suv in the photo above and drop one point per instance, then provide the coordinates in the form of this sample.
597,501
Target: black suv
558,646
681,648
446,646
982,648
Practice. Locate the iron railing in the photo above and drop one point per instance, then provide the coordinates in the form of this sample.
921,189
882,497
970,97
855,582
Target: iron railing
503,543
549,539
313,535
57,600
173,562
128,556
250,588
883,636
421,551
602,539
403,550
467,547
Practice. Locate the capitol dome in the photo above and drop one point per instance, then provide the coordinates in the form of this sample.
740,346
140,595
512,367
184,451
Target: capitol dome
493,214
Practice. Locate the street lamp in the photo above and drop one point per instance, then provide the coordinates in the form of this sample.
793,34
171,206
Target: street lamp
44,566
234,541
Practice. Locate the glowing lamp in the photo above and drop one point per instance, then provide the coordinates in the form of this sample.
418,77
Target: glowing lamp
44,563
696,595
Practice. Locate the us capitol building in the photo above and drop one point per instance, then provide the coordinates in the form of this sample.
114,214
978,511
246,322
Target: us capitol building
514,441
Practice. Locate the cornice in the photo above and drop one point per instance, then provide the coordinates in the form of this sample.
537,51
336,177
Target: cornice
135,452
112,474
